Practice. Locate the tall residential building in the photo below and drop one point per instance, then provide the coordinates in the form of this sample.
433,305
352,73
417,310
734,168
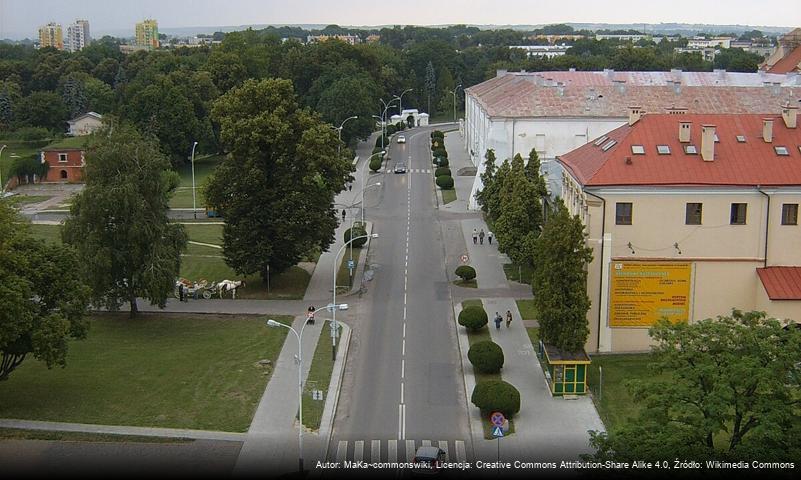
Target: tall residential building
147,34
50,36
78,36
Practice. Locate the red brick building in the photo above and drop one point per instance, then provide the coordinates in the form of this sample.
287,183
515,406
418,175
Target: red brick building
65,165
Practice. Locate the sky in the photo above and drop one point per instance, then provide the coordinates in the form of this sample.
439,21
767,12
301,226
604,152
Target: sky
21,18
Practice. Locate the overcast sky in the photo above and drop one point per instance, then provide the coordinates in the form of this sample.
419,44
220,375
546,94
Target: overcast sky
23,17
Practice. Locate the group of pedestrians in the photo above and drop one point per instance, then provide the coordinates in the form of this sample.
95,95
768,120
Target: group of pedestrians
478,237
499,319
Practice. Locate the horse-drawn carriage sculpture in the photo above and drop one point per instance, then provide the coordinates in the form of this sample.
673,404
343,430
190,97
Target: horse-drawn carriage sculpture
205,289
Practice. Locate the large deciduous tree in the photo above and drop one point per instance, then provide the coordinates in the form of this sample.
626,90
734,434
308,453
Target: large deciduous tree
726,388
119,225
276,187
44,301
559,282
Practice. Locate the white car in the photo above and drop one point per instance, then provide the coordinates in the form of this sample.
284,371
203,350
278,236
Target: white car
401,139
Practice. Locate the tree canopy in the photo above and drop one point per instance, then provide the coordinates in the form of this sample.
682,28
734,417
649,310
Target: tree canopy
277,186
118,224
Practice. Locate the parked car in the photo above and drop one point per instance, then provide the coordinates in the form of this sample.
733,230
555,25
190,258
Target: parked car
400,167
401,139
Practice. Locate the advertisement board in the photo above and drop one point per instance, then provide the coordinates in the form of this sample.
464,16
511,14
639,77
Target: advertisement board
640,293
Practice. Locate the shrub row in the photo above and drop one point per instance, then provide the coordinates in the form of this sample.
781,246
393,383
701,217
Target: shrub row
445,182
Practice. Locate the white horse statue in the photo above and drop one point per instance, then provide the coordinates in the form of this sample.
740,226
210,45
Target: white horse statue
230,285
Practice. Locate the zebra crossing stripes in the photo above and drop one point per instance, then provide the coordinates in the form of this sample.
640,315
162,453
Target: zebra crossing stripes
375,451
411,170
358,450
392,453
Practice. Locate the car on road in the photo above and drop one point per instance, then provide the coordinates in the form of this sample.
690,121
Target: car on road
400,167
429,460
401,139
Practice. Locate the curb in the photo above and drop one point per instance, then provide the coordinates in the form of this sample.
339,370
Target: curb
469,381
123,430
360,268
329,411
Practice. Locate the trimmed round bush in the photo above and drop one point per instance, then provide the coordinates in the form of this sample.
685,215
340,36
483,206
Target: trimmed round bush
486,356
358,231
496,395
442,171
445,182
376,162
473,318
466,272
439,152
438,134
441,161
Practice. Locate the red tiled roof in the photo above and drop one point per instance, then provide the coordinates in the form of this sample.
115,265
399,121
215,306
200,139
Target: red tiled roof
608,94
752,163
781,283
790,63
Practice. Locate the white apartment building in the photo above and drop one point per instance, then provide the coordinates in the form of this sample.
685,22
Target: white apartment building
78,36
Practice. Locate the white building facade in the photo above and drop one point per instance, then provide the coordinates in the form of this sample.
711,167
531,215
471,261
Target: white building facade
78,36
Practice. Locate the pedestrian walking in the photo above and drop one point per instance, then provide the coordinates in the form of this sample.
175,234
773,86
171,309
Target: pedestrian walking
489,237
498,320
481,236
180,292
310,315
343,214
508,318
350,187
475,236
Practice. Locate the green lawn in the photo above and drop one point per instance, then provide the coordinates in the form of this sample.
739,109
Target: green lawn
21,434
48,233
466,284
203,169
343,276
472,303
319,378
211,233
158,370
70,142
613,401
527,309
518,274
448,196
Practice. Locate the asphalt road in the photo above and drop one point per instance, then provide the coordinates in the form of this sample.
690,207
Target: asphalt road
403,380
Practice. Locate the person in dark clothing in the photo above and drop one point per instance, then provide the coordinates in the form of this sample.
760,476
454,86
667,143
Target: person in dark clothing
481,236
343,214
310,315
498,320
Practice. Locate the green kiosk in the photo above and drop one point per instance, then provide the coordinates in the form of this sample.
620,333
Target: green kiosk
566,372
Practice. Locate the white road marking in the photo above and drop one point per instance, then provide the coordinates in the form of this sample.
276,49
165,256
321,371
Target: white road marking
426,443
461,456
403,362
403,432
342,450
400,421
392,451
443,444
375,451
358,450
410,450
403,347
401,392
404,331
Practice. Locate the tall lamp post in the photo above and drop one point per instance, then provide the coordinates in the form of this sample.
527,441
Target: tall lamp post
400,100
334,330
453,92
194,203
2,185
364,174
273,324
339,131
384,118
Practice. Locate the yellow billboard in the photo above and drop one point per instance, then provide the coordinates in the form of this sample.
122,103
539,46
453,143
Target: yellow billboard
643,292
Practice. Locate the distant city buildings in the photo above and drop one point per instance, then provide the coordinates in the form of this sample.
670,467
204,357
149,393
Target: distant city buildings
787,57
78,36
548,51
147,34
50,35
349,39
623,38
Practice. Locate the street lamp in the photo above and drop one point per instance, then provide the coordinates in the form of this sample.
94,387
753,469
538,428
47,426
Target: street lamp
2,185
400,100
194,203
339,130
364,172
384,117
453,92
334,300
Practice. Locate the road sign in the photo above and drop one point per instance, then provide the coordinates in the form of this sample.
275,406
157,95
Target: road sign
465,258
317,394
497,432
497,419
351,264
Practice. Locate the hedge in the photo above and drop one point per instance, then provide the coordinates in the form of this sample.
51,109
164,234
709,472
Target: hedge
376,162
437,134
445,182
439,152
441,161
442,171
358,231
496,396
466,272
473,318
486,356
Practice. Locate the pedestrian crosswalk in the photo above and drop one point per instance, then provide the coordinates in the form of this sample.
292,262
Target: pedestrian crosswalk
411,170
394,450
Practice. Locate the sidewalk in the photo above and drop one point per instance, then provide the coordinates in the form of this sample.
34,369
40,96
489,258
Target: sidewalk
458,160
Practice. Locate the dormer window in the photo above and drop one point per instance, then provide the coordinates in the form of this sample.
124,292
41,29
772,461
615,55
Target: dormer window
781,150
741,138
690,150
600,140
609,145
638,150
663,149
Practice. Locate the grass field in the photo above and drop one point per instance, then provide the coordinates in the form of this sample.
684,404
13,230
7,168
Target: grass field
343,276
466,284
203,169
448,196
211,233
158,370
48,233
614,404
21,434
318,379
518,274
16,149
527,309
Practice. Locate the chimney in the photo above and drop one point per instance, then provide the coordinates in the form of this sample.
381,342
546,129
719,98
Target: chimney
684,132
708,143
560,87
500,73
767,130
634,115
609,72
790,115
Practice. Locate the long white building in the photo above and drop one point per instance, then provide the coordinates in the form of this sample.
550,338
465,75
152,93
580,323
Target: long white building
556,112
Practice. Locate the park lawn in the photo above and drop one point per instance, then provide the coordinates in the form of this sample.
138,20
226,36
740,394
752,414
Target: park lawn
465,284
22,434
527,309
158,370
48,233
204,233
344,279
16,149
448,196
514,274
204,166
472,303
319,377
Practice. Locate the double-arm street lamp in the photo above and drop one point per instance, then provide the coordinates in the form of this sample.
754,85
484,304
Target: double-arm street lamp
400,100
194,203
273,324
384,117
453,92
339,131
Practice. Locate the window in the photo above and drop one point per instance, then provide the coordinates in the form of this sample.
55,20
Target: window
600,140
623,213
790,214
741,138
717,140
690,150
663,149
738,211
693,214
638,150
609,144
781,151
63,174
62,158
